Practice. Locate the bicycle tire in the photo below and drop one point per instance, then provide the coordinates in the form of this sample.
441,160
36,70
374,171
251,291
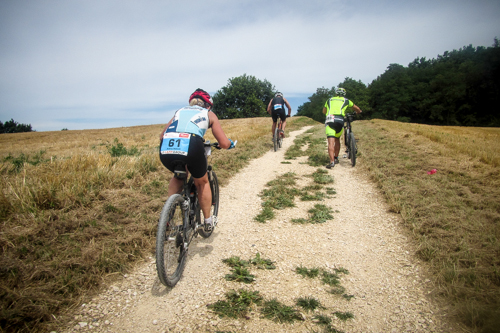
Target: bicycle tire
346,137
214,209
352,149
275,138
170,252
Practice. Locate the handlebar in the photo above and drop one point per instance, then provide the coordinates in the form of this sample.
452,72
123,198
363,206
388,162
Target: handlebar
207,143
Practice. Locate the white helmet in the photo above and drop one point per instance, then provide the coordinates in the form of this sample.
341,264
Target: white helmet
278,94
340,91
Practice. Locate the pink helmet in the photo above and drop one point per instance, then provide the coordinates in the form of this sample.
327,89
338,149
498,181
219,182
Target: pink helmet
200,93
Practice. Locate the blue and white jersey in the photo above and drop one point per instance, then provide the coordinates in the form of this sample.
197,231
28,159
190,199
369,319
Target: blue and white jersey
190,119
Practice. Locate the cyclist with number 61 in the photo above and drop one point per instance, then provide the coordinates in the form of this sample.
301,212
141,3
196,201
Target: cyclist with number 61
334,110
182,141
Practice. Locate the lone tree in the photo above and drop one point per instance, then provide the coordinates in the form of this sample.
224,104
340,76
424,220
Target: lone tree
243,97
12,126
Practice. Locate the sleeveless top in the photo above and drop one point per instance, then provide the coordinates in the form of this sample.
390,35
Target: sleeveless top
278,103
190,119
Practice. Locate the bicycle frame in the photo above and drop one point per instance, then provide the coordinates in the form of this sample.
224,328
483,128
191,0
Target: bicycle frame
277,138
190,194
173,235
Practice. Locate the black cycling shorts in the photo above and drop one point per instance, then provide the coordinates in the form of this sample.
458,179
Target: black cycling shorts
279,112
195,160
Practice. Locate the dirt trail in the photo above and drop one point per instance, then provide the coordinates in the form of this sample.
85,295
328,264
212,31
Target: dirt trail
389,286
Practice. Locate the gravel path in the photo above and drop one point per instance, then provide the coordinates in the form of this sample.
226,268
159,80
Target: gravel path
389,285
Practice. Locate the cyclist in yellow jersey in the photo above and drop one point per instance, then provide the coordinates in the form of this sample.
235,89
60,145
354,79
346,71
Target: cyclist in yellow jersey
334,110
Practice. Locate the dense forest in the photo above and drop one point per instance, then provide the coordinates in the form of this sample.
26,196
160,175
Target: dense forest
461,87
12,126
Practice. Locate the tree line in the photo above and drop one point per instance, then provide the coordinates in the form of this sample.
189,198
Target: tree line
12,126
461,87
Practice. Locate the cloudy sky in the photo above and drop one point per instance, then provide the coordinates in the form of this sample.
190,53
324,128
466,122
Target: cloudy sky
83,64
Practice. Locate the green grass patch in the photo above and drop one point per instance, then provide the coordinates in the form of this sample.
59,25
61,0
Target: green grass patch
240,274
237,303
309,303
330,279
317,196
280,194
266,214
305,272
300,220
262,263
312,144
118,149
235,261
240,268
330,191
320,214
279,312
322,320
343,315
19,161
338,290
321,176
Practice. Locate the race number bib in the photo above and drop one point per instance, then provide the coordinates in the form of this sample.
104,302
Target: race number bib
330,119
278,106
175,143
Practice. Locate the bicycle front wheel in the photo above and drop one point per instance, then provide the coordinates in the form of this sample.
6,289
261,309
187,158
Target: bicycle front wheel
352,149
170,251
346,138
214,209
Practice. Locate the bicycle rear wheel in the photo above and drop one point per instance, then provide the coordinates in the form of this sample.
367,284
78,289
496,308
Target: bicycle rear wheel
170,251
214,209
280,138
276,138
352,149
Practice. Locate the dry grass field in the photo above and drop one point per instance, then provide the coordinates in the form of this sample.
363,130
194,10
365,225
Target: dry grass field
78,207
453,214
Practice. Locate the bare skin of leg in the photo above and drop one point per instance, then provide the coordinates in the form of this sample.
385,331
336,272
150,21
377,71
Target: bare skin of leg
283,125
203,188
333,148
175,186
273,128
204,194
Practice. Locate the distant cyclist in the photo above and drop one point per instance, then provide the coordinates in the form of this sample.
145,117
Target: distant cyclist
334,109
182,140
276,108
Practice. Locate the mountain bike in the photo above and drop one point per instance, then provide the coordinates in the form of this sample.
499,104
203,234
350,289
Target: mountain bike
349,140
278,134
180,222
